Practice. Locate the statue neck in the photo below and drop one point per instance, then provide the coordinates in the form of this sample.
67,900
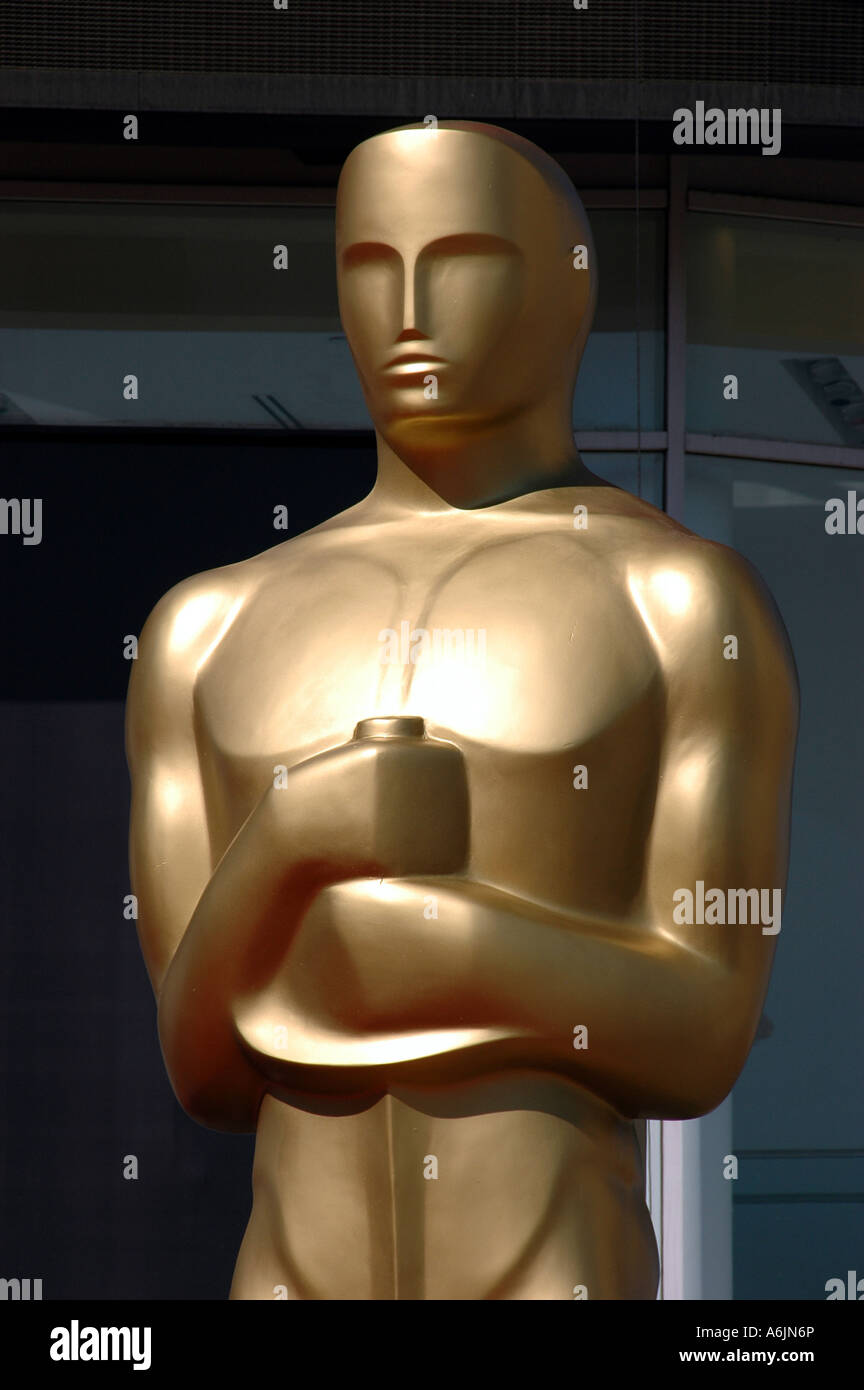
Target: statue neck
478,470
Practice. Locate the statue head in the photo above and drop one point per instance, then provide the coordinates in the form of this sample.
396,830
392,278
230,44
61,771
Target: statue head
457,287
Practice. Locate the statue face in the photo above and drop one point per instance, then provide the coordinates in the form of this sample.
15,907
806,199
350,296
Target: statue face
454,263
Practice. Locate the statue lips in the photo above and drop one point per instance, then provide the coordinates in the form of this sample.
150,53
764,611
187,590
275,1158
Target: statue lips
410,364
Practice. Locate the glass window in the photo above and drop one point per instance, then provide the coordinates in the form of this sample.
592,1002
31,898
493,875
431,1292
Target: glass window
641,474
185,299
615,356
800,1155
780,306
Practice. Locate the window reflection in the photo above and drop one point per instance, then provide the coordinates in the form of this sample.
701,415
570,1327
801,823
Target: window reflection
780,306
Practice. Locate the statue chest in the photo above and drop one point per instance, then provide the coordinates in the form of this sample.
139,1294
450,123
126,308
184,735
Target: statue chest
523,651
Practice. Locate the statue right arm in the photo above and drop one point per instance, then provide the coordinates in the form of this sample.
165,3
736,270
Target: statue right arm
170,852
211,935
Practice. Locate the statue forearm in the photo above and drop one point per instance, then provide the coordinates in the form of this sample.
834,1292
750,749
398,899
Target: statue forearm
240,930
645,1021
666,1029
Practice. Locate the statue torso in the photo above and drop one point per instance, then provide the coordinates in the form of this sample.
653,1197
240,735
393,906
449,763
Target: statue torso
532,657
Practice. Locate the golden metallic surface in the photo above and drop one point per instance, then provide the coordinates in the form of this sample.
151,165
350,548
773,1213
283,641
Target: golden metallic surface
391,926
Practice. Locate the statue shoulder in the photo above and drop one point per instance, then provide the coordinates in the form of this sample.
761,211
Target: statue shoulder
184,627
194,614
191,620
700,600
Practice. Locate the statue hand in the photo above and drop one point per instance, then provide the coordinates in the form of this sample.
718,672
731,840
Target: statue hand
376,807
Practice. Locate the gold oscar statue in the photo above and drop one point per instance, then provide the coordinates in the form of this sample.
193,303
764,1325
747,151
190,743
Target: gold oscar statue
418,795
